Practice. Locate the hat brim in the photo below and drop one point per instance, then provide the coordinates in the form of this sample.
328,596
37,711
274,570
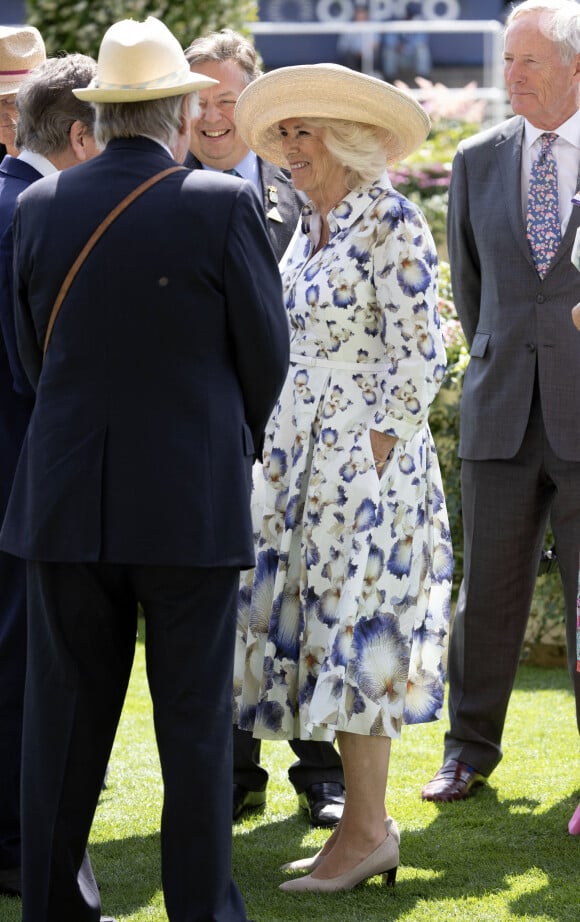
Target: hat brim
328,91
95,93
8,89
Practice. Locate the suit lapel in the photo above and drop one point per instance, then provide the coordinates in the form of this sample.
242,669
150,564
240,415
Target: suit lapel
509,156
274,184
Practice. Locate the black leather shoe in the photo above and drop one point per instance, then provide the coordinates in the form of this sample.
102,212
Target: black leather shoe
323,802
246,800
10,882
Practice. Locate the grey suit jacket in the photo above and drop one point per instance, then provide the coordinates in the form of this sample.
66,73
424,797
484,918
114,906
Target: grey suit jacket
282,203
516,324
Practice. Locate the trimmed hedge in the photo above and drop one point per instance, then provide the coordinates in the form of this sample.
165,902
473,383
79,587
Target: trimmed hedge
79,25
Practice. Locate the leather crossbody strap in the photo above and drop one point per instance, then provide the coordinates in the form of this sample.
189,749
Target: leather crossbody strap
95,236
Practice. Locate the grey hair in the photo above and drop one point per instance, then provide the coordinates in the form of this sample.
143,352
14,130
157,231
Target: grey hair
155,118
561,23
361,149
47,107
225,45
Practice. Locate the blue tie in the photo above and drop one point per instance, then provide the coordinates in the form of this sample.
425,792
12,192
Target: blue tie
233,173
543,217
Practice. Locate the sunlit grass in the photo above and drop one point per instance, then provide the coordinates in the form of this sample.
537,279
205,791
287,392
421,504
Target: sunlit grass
503,856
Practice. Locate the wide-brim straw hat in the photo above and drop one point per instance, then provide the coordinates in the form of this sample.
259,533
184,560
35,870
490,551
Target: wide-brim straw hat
139,61
21,49
328,91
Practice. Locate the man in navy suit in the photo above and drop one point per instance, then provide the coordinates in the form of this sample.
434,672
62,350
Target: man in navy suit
54,131
133,485
215,144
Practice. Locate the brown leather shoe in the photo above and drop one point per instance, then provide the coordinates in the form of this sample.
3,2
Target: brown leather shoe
454,781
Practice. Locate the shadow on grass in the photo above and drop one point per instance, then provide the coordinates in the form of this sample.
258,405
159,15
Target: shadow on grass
470,854
483,845
128,872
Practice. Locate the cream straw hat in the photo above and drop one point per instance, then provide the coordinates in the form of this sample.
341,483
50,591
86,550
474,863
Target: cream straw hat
327,91
139,61
21,49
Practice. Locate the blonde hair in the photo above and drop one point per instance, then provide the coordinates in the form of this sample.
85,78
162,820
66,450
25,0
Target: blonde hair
360,148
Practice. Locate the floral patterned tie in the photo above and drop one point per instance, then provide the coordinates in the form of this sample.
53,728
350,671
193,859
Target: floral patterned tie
543,217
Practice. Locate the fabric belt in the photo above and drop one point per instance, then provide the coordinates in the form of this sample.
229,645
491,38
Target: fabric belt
314,361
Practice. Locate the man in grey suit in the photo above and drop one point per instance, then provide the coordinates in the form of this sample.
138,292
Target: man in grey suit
511,228
227,56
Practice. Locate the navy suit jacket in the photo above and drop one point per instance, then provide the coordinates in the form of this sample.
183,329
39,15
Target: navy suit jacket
164,364
17,395
282,203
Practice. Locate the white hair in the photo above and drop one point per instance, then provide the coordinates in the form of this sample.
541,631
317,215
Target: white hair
561,23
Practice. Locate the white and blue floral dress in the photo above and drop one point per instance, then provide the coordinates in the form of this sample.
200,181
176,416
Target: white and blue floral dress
343,623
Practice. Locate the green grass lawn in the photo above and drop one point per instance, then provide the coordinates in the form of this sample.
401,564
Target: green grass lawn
504,855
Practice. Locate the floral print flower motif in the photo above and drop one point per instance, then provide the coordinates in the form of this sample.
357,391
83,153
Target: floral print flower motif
424,698
406,463
343,210
350,468
381,661
368,388
329,437
375,565
243,615
312,295
442,562
284,622
359,251
278,465
365,515
301,385
311,271
269,716
343,294
401,557
407,394
262,591
337,401
328,604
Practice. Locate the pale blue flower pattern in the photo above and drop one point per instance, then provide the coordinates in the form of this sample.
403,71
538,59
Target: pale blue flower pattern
343,623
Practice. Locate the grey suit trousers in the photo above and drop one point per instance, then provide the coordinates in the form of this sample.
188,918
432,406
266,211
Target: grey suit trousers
506,507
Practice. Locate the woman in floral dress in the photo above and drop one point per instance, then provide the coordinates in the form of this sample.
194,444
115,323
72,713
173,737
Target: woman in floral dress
343,623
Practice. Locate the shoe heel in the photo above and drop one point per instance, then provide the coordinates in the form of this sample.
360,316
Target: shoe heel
390,876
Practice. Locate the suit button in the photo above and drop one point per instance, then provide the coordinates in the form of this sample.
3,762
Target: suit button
540,299
531,347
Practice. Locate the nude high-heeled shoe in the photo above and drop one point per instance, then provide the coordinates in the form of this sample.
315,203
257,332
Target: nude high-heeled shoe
308,864
384,860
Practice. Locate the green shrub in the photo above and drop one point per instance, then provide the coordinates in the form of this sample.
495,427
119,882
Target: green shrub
79,25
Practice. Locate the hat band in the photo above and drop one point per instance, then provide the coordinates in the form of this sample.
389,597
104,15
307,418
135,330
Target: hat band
8,75
157,83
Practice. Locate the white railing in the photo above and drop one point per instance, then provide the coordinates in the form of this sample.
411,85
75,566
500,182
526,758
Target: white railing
492,89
